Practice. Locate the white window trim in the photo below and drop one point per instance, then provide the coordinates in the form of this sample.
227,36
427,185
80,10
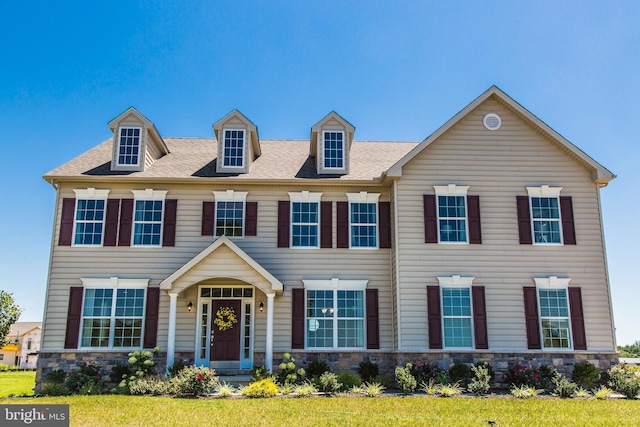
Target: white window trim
545,191
370,198
89,194
456,281
114,283
334,284
304,197
140,145
230,196
452,190
553,282
244,147
147,194
344,150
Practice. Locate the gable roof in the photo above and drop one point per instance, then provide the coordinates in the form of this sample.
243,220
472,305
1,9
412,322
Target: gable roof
21,328
251,127
349,128
131,111
601,175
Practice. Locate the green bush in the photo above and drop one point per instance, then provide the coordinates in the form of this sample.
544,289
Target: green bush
262,388
85,374
585,374
490,371
386,382
459,372
305,389
316,368
481,381
624,380
176,367
405,380
368,370
118,373
329,382
425,371
56,376
260,373
4,367
562,387
288,372
53,389
348,380
538,378
195,381
153,385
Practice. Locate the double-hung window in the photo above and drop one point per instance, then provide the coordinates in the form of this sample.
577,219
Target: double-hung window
457,313
89,216
305,219
453,226
147,217
230,212
129,146
363,220
555,320
335,313
333,149
545,214
113,313
234,147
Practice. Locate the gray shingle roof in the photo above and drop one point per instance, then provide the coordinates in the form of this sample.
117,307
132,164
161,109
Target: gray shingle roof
280,160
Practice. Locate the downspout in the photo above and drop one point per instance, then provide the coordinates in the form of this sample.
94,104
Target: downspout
396,235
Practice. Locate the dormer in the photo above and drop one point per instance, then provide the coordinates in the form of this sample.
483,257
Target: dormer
136,142
331,140
238,143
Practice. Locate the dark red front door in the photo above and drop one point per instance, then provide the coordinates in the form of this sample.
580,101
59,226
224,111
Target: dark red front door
225,345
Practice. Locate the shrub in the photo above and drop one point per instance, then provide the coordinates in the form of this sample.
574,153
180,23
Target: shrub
85,374
582,393
423,372
459,372
260,373
372,389
195,381
141,365
119,373
305,389
525,392
224,390
368,370
405,380
430,387
262,388
4,367
329,383
489,368
317,367
625,381
564,388
176,367
53,389
288,372
153,385
480,383
348,380
538,378
585,374
386,382
56,376
450,390
602,393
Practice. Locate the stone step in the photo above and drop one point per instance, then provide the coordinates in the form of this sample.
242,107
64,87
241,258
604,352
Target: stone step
236,380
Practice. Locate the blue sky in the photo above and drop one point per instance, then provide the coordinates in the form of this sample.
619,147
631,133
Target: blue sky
397,70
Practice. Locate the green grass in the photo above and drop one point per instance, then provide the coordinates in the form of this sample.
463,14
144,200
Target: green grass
18,383
96,411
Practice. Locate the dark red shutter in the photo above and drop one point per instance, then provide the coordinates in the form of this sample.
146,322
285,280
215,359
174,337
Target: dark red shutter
251,219
524,220
126,222
297,318
66,221
577,319
430,219
531,317
384,224
480,317
208,218
111,222
434,317
326,224
373,332
475,233
342,226
169,226
284,216
568,227
74,315
151,317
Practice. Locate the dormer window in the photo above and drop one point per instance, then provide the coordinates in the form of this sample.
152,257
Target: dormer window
331,140
233,155
129,146
333,150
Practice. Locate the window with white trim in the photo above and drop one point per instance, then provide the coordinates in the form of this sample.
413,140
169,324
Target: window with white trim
233,148
335,313
129,146
333,149
363,219
555,320
113,313
545,214
89,216
457,313
453,226
305,219
230,211
147,217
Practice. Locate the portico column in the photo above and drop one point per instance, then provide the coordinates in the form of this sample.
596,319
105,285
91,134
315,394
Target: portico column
171,339
268,353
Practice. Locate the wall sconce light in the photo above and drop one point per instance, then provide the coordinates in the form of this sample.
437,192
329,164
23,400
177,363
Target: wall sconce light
189,306
261,306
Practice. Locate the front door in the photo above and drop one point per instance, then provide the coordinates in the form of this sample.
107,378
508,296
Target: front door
225,343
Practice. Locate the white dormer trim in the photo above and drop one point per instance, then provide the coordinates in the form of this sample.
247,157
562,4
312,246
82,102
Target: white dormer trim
236,121
332,122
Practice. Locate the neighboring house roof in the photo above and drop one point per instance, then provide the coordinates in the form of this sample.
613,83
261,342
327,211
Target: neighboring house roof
22,328
630,360
195,158
601,175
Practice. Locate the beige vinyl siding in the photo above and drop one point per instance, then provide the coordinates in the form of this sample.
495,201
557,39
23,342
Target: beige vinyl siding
498,165
289,266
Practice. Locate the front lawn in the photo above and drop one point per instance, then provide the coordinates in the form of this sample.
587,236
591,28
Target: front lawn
107,410
17,383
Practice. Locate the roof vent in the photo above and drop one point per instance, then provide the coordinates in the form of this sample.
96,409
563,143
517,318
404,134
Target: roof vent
492,121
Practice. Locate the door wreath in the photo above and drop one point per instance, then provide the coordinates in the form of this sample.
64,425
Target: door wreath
225,318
